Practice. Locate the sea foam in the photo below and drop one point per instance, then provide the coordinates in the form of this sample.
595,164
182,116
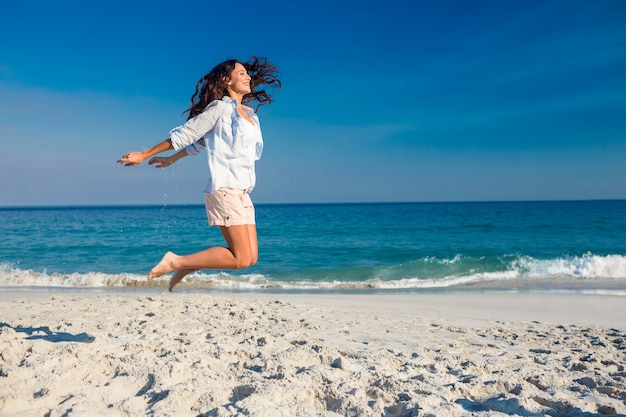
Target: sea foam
420,274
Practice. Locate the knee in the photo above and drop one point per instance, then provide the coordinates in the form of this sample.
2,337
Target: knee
253,261
245,262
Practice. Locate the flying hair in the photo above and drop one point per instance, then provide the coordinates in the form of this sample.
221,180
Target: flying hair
213,86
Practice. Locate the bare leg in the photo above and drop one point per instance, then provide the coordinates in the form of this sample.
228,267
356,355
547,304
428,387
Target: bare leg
242,252
254,244
178,277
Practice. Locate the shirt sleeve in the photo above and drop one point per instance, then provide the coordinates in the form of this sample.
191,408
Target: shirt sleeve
195,128
196,147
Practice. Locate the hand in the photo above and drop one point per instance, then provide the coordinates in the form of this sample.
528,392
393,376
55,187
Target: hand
162,162
131,159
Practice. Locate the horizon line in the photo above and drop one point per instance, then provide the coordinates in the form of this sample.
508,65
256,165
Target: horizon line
329,203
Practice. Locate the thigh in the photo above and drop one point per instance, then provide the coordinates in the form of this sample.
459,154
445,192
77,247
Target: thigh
254,245
241,240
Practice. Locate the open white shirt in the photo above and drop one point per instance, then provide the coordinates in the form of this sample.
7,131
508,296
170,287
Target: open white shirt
232,143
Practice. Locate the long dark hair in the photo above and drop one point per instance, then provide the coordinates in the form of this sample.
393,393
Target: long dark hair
212,86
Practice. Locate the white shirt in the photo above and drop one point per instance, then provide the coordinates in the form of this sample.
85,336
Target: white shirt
232,143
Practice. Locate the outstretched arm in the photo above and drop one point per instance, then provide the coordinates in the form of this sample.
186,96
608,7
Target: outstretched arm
136,158
165,161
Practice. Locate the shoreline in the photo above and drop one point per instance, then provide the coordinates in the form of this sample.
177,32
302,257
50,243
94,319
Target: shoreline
518,285
223,353
555,306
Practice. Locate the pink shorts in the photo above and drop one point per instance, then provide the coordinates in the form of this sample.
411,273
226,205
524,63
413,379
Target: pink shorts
229,207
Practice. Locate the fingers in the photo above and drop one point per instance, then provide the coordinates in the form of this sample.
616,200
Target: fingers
123,159
160,162
132,159
129,160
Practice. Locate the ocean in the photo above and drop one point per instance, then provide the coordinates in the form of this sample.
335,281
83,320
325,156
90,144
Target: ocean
476,246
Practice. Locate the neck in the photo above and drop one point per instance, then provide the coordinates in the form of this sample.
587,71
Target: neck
236,96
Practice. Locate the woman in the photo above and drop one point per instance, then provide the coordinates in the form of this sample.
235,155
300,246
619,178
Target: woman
221,122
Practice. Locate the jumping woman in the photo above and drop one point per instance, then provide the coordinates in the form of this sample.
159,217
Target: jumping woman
221,122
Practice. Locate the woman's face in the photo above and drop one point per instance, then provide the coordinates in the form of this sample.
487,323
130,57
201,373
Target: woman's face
239,80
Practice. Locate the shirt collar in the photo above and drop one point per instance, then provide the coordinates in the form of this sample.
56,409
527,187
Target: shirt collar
229,99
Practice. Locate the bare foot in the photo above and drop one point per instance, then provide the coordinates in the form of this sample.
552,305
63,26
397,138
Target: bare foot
178,277
164,266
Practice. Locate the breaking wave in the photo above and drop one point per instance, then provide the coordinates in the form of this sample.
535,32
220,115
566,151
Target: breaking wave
427,273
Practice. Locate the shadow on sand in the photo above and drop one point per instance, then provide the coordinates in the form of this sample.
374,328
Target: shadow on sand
44,333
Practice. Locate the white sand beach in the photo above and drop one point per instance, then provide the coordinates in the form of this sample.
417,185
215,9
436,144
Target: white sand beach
311,354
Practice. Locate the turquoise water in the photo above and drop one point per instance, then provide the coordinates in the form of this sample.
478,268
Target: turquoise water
404,246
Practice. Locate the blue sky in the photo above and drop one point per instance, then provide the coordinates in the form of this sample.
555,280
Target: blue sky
381,101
